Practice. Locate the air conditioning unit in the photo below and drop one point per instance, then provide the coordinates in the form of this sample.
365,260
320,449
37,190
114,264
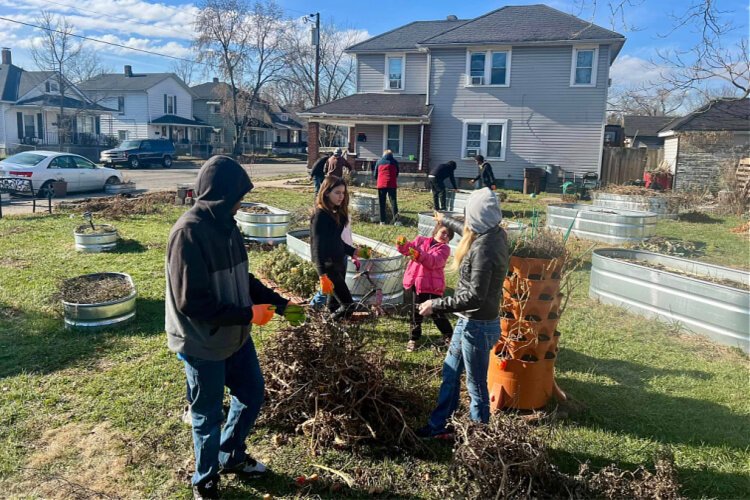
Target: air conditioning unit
477,80
471,153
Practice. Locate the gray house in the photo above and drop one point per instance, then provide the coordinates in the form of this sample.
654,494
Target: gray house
521,85
643,131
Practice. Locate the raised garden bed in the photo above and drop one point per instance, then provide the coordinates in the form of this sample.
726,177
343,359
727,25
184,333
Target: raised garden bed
702,298
98,300
261,223
120,188
96,238
601,224
644,200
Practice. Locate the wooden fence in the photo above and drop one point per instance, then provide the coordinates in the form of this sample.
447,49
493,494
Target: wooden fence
620,165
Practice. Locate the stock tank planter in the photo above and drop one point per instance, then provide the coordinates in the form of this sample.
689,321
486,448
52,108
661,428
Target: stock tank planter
98,300
121,188
99,238
387,270
366,205
656,203
703,298
261,223
456,201
426,224
601,224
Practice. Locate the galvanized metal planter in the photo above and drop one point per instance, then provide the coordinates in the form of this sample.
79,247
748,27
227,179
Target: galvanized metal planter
103,314
601,224
366,205
95,242
456,201
655,204
122,188
719,311
426,224
263,228
387,272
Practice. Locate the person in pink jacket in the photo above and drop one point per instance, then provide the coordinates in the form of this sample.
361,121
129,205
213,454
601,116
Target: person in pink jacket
425,277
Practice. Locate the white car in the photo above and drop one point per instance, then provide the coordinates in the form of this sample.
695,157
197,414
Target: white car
43,167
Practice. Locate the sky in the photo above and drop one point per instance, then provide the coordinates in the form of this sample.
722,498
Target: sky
166,27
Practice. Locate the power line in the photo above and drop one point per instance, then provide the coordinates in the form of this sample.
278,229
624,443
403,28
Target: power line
113,44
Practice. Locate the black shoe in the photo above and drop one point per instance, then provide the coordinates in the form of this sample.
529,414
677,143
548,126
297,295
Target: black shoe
249,468
207,490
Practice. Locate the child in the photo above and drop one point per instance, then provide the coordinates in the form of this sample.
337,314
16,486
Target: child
425,277
328,250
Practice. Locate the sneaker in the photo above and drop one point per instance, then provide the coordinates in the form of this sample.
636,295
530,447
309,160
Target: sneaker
411,346
250,467
207,490
187,416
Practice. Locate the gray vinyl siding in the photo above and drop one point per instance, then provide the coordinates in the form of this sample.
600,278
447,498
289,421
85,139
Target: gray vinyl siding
416,74
373,147
548,120
371,73
200,109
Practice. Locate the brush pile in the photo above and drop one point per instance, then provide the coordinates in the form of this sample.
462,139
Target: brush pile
508,459
288,271
326,382
125,205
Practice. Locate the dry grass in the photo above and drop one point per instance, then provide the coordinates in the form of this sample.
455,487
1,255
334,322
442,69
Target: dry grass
123,206
544,244
97,229
94,288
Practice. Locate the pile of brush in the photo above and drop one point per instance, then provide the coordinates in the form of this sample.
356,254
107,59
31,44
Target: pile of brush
124,205
325,381
508,459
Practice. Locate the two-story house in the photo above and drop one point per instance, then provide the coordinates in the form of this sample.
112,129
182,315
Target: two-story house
148,106
521,85
30,103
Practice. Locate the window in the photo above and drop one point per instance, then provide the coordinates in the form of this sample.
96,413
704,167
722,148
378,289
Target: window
488,67
214,108
86,124
488,138
284,117
171,104
121,104
394,67
83,162
28,125
583,67
51,87
122,135
393,138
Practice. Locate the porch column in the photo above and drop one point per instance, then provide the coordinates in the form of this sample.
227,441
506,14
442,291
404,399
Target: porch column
424,154
313,131
352,138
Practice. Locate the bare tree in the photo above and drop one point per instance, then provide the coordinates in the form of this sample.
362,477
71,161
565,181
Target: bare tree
186,69
85,66
646,100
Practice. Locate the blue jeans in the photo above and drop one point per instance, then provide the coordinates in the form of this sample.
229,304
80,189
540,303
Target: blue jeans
215,447
470,349
319,300
317,181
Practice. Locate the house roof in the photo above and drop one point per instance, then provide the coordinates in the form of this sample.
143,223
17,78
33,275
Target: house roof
644,126
718,115
118,81
522,23
67,102
211,90
179,120
16,82
374,105
405,37
290,122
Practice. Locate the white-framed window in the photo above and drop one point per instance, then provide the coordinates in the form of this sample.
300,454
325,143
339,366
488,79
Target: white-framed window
171,104
122,135
583,66
490,67
488,138
393,138
121,104
29,129
51,86
395,71
214,108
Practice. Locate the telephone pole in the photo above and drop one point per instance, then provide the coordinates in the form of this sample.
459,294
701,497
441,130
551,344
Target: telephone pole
316,42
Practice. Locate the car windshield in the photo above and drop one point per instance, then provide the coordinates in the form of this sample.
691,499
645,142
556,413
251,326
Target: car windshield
130,144
25,159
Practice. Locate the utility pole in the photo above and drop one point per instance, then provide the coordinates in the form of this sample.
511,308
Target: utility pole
316,42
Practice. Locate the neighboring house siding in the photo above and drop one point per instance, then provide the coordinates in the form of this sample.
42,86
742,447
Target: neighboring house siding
671,145
370,72
220,120
169,86
135,119
548,121
5,139
705,156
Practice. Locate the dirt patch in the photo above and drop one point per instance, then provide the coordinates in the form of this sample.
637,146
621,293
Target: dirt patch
97,229
672,246
95,288
710,279
698,218
743,230
255,209
629,190
12,230
13,263
124,205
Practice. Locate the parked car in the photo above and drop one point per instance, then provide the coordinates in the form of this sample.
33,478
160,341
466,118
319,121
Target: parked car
140,152
45,167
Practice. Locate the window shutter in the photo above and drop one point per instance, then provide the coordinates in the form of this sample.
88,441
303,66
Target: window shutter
98,125
174,104
19,121
46,86
39,126
75,124
165,104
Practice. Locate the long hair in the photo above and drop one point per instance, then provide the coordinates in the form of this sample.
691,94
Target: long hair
340,213
439,226
463,247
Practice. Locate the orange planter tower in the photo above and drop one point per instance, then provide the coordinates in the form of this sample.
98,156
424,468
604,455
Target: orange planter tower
522,363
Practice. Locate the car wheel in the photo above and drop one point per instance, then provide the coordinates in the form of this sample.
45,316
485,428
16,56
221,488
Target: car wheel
134,162
42,191
167,161
112,180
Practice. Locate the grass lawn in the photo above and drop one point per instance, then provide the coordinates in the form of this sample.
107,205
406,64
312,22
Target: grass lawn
82,413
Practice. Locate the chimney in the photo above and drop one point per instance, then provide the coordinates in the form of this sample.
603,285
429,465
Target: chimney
216,79
128,70
6,56
451,18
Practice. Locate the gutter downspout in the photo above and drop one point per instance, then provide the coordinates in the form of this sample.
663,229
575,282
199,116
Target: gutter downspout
429,71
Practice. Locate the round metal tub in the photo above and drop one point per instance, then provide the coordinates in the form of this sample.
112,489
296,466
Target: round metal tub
91,316
263,228
426,224
627,278
96,242
387,272
366,205
657,204
601,224
456,201
123,187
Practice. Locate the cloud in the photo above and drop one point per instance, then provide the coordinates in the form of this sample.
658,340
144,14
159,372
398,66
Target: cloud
631,71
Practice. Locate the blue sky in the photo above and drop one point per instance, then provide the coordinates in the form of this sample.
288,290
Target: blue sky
165,27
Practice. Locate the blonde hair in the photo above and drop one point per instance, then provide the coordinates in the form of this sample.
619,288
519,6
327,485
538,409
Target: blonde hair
467,239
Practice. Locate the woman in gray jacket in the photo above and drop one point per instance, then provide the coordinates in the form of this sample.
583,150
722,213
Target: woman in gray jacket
482,262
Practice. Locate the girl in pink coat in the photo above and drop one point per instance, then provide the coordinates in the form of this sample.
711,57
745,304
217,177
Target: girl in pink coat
425,277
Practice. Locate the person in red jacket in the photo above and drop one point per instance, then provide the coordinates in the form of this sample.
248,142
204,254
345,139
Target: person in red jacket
386,175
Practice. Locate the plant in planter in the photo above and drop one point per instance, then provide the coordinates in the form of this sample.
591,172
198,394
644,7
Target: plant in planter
94,238
97,300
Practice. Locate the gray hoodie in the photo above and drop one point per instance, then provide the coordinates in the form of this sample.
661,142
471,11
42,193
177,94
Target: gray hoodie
482,211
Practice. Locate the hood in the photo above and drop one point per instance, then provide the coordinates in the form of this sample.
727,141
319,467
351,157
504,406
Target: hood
388,156
221,183
482,211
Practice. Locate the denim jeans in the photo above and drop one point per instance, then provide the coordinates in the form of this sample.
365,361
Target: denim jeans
317,181
215,447
319,301
469,349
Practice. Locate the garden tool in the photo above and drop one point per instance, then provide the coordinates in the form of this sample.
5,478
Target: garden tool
87,217
262,313
294,314
326,285
414,253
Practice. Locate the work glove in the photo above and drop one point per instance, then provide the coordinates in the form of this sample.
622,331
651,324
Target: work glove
262,313
401,241
414,253
364,252
294,314
326,285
